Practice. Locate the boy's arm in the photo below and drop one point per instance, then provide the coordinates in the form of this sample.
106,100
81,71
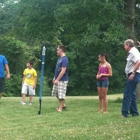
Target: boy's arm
8,71
23,79
35,81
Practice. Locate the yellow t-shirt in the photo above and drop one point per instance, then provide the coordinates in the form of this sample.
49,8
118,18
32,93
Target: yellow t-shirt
30,75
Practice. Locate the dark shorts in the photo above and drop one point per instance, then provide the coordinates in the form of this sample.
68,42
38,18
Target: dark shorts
103,83
2,85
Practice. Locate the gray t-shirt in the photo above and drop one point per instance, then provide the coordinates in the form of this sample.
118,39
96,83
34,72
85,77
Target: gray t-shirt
132,58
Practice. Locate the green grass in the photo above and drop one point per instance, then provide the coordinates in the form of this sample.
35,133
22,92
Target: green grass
80,121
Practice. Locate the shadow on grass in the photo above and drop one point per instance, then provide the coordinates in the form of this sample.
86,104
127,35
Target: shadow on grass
118,100
138,101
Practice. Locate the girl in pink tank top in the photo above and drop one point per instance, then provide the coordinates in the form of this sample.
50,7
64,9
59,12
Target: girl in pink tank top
104,72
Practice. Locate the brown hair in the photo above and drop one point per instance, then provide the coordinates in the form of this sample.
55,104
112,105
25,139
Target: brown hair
104,55
30,62
62,47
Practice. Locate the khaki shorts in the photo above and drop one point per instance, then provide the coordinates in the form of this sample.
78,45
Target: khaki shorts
27,89
60,90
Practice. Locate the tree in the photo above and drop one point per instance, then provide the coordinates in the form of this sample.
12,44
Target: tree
137,19
129,9
89,28
86,27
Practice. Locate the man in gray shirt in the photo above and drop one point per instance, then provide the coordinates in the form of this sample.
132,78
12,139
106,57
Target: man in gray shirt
132,71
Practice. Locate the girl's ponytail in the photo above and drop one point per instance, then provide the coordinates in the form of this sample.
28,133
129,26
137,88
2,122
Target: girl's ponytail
105,55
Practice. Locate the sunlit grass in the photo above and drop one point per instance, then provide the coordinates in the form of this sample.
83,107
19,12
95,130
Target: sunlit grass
80,121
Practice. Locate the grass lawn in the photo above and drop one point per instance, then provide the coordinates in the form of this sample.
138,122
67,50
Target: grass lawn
80,121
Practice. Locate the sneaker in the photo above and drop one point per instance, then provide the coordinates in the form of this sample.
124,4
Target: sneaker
22,103
30,103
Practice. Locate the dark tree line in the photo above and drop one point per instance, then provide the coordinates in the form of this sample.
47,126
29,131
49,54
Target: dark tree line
86,27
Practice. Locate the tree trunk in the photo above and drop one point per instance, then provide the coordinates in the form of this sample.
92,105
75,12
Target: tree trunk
129,9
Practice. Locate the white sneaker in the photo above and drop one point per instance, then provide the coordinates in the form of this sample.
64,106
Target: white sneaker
22,103
30,103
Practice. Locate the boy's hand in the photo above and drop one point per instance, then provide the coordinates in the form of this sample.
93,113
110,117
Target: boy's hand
22,83
34,87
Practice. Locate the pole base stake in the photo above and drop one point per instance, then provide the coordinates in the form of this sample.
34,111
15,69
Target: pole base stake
39,112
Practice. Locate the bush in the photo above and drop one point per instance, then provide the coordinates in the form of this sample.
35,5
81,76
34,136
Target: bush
46,89
13,86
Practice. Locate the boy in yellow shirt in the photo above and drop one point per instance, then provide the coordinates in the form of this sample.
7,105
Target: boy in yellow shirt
28,83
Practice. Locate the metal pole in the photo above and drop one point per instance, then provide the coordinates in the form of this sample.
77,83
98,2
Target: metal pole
41,79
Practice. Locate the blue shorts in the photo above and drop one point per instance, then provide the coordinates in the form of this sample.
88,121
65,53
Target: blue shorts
103,83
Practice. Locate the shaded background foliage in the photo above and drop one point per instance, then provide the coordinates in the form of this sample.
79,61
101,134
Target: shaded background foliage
86,27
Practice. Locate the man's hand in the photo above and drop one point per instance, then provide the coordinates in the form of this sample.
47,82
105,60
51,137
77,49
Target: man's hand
8,71
56,82
131,77
138,42
8,76
53,80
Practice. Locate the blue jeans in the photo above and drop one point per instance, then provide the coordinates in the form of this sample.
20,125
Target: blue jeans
129,99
